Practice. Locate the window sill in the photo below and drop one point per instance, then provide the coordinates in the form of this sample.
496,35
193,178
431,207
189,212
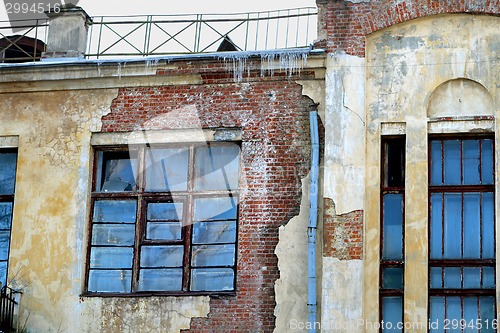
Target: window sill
213,294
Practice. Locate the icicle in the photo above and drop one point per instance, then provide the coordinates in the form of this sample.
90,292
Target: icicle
238,64
120,70
152,62
290,62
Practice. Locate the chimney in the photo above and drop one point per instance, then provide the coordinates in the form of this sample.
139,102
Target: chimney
67,36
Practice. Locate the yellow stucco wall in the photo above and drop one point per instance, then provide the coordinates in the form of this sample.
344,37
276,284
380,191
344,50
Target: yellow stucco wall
49,227
404,66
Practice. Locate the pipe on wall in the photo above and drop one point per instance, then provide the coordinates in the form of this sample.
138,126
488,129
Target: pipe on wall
312,303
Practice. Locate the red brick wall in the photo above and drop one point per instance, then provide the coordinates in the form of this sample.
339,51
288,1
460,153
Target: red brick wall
273,117
342,234
346,23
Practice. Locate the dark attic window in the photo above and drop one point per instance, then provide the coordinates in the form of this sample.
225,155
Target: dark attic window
19,49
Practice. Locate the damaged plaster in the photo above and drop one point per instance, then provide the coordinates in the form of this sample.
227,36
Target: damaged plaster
291,287
48,248
344,186
418,73
344,132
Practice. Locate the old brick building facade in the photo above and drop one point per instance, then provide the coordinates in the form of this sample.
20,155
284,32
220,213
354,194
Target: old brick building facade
174,195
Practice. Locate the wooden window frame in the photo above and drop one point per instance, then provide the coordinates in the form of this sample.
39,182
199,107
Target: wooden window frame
9,198
386,188
462,189
144,197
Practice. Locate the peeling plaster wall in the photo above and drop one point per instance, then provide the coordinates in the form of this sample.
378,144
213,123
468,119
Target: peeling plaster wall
50,221
342,295
291,287
405,64
344,177
391,92
344,132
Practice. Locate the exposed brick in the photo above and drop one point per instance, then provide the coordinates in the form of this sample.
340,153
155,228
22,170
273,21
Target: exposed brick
342,234
345,24
274,119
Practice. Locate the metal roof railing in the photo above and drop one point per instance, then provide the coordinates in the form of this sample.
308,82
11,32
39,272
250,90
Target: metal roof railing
111,36
138,36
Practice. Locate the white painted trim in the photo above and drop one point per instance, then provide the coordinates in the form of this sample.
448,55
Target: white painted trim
9,141
452,126
395,128
165,136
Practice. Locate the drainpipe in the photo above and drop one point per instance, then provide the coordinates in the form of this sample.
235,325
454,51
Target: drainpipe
312,303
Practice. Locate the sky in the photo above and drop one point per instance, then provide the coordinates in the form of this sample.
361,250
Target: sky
166,7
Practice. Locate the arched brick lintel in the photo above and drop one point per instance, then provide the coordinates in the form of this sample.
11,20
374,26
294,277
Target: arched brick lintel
343,24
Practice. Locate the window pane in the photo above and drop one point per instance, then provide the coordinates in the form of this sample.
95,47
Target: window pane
436,277
487,312
472,231
165,211
162,256
392,278
453,311
452,162
471,314
487,156
111,257
114,211
471,161
119,172
488,235
436,163
164,231
436,241
118,281
221,208
488,277
113,234
452,225
217,167
452,277
213,255
392,313
167,169
436,324
160,279
394,162
3,272
5,215
7,172
212,279
472,277
214,232
393,226
4,244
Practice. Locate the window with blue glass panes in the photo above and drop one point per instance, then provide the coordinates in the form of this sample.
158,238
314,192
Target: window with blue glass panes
8,163
462,235
164,219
